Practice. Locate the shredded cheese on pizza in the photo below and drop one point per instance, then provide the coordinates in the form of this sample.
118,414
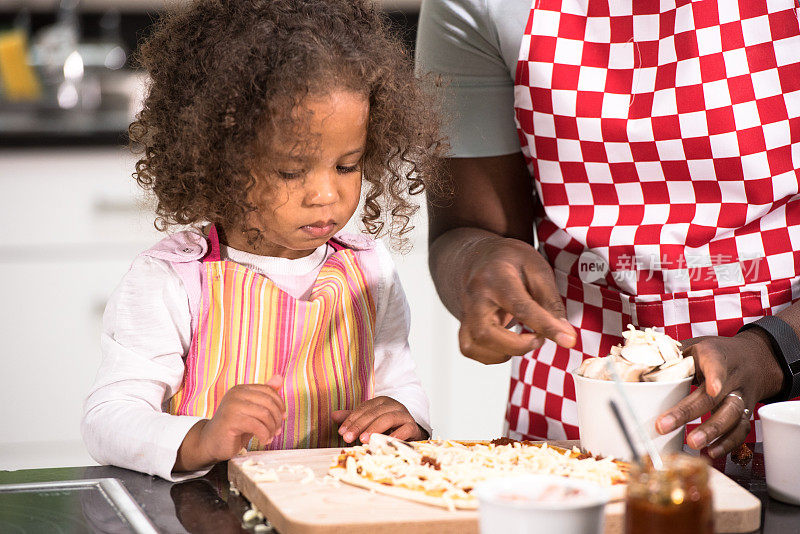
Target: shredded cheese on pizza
450,470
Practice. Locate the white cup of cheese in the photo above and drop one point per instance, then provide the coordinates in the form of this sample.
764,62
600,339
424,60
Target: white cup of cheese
531,504
600,434
655,377
780,424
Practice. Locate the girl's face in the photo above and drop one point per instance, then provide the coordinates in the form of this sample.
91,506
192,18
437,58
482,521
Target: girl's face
307,195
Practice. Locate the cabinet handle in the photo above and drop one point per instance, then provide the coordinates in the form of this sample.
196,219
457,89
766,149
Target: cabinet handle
98,309
107,206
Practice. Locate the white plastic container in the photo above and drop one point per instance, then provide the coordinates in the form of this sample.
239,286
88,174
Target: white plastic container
599,430
780,424
532,504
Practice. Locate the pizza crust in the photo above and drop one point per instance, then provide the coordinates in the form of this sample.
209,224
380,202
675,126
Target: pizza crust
615,493
402,492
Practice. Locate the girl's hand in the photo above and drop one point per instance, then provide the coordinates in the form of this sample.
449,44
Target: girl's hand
245,411
509,280
727,368
377,416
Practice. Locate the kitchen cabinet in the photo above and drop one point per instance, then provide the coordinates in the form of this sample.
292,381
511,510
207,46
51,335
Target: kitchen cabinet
73,219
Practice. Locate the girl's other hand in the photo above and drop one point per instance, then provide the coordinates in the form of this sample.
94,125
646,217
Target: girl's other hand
245,411
732,374
377,416
510,280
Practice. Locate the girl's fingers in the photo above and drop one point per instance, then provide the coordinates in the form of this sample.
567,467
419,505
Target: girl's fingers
275,382
340,416
361,417
732,439
406,431
271,393
270,406
358,412
269,416
382,423
726,416
261,395
247,424
358,427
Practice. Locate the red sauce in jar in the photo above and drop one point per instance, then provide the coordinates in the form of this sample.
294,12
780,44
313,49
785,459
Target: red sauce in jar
676,500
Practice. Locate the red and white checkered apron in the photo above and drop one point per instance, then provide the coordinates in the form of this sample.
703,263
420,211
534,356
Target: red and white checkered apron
664,139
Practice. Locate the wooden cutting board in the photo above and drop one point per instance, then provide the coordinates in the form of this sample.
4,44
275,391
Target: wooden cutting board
318,507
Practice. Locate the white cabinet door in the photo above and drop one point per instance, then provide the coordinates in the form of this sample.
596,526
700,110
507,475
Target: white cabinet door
67,197
73,221
51,318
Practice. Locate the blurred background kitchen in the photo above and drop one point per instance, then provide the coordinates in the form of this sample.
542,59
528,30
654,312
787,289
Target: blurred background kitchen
72,220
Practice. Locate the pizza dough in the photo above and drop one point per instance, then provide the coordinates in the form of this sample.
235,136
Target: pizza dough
444,473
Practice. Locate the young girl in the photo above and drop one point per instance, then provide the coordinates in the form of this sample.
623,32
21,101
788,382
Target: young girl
265,326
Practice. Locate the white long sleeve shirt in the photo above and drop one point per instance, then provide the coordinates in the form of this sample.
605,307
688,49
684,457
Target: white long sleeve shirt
147,333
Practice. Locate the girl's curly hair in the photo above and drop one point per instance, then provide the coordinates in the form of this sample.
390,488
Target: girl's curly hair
224,77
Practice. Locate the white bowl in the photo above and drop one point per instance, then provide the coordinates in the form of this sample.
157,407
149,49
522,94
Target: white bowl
780,424
599,430
520,505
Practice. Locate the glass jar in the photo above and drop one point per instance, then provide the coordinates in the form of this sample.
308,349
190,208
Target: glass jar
675,500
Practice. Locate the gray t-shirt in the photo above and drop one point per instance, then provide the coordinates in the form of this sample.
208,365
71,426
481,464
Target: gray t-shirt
474,46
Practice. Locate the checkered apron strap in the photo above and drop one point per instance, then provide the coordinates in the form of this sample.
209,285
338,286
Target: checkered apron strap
664,138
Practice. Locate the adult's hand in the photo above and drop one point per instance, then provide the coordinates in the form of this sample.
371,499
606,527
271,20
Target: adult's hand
508,281
484,269
732,374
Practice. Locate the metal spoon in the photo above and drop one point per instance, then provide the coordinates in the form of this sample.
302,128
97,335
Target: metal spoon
645,440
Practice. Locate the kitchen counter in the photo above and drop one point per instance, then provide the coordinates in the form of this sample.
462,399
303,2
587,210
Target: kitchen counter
206,504
194,506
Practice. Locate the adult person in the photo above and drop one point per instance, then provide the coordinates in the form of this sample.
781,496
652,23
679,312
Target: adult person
658,140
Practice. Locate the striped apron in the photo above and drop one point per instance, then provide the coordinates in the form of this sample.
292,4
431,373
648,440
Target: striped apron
248,330
663,137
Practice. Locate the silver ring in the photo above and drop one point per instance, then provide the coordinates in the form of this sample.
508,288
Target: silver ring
737,395
746,412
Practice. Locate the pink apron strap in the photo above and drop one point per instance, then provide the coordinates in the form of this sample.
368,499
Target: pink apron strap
337,246
213,253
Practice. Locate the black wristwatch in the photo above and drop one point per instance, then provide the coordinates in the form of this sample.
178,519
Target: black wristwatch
786,348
